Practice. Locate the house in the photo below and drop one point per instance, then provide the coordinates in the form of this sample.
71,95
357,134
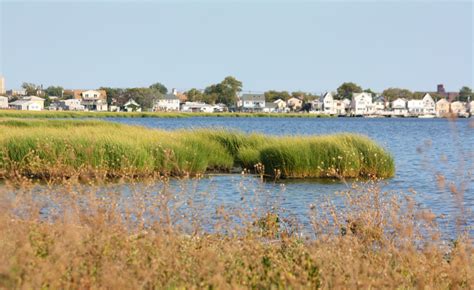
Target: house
252,102
294,104
471,108
380,104
429,106
92,100
31,103
459,108
280,105
328,103
442,108
317,105
131,106
399,107
340,107
201,107
169,102
71,105
270,108
3,102
362,104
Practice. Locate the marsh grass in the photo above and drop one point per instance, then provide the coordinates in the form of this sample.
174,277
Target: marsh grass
48,149
75,114
84,237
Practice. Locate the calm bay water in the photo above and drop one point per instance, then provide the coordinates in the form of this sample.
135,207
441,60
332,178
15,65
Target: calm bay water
422,148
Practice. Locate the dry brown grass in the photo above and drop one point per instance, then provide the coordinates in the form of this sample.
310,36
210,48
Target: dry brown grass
157,238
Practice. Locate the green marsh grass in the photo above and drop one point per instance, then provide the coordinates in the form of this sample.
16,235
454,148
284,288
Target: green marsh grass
77,114
65,148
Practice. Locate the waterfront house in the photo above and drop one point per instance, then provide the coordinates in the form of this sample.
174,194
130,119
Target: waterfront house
280,105
31,103
399,107
201,107
317,105
294,104
415,107
339,107
429,106
71,105
92,100
328,103
471,108
251,102
362,104
3,102
169,102
442,108
380,104
459,108
270,108
131,106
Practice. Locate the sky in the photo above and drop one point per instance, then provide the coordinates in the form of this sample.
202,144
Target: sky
281,45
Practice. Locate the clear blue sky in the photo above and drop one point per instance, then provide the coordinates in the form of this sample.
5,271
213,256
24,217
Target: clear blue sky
310,46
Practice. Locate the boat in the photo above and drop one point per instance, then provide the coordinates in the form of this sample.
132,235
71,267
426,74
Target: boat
426,116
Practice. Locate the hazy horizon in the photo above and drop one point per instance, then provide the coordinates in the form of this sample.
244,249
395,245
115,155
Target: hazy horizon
304,46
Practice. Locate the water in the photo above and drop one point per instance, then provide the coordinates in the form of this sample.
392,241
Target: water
422,148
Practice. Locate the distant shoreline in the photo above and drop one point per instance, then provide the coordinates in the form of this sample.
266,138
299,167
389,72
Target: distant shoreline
80,114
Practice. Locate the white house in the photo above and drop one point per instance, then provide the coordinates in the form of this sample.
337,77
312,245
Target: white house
252,102
399,107
339,107
169,102
131,106
31,103
429,105
317,105
471,108
425,106
270,108
71,105
3,102
91,95
280,105
362,104
328,103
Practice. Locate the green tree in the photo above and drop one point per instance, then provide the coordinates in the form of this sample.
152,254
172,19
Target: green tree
224,92
465,94
160,88
31,89
347,89
195,95
271,96
146,97
392,94
54,91
114,94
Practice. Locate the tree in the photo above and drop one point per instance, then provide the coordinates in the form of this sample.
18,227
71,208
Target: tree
114,94
465,94
54,91
224,92
347,89
271,96
31,89
160,88
146,97
369,91
392,94
195,95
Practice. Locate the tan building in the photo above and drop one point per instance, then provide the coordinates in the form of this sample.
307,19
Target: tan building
442,108
458,108
2,86
294,104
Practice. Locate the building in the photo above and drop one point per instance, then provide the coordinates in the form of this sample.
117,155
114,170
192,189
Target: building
294,104
280,105
31,103
361,104
340,107
131,106
169,102
380,104
2,86
399,107
270,108
459,108
317,105
252,102
450,96
425,106
328,103
3,102
71,105
15,93
442,108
